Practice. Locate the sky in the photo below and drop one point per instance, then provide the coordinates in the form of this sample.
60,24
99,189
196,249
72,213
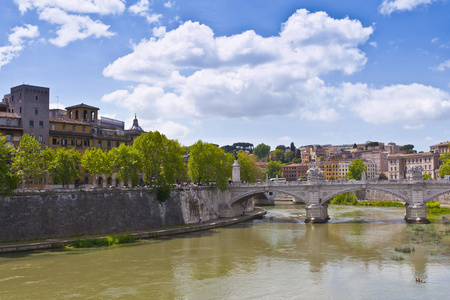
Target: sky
273,72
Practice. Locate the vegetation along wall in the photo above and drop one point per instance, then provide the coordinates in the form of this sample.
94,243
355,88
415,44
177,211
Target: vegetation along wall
31,215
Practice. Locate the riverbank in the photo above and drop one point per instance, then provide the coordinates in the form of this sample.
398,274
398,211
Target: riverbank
145,234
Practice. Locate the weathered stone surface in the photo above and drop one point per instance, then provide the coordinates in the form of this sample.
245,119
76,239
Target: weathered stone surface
43,215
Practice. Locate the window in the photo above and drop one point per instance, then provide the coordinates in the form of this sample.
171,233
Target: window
53,126
72,142
8,122
41,139
41,124
31,123
8,137
64,127
54,142
20,96
99,144
20,109
63,142
84,129
12,98
36,111
36,98
73,128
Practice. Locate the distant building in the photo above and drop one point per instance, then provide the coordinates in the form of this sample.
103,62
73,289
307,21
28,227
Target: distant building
293,172
399,164
440,148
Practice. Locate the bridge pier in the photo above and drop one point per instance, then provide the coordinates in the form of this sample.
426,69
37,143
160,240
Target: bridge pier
416,214
316,213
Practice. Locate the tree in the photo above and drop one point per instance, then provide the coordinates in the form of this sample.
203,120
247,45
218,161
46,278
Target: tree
408,148
382,177
281,147
8,180
445,168
161,162
249,171
273,169
228,149
63,165
356,168
97,162
125,161
426,177
248,147
278,155
208,163
27,161
261,151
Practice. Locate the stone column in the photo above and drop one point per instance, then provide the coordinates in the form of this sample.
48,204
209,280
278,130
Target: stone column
416,214
236,176
317,213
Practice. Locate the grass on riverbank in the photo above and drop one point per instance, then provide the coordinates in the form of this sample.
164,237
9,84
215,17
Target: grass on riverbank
434,208
350,199
100,242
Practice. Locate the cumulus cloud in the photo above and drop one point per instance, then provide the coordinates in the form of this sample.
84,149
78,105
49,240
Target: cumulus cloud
443,66
71,17
142,8
16,40
389,6
244,75
400,103
190,73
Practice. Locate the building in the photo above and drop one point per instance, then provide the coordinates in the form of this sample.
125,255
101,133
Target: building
399,164
440,148
11,127
293,172
330,169
378,157
31,105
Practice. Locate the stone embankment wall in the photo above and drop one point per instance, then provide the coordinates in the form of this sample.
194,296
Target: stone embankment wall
375,195
31,215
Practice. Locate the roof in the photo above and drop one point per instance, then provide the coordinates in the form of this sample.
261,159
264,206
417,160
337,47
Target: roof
441,144
82,105
8,115
68,121
411,155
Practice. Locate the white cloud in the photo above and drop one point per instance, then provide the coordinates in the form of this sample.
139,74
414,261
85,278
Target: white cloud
389,6
16,40
169,4
159,32
142,8
443,66
19,33
103,7
73,27
190,73
414,126
71,17
244,75
400,103
373,44
429,139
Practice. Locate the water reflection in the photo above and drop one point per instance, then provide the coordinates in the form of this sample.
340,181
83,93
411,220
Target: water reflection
280,256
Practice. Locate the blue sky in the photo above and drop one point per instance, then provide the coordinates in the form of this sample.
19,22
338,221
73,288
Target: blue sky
273,72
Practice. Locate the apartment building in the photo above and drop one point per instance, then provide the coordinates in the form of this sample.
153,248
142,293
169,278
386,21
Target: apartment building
399,164
293,172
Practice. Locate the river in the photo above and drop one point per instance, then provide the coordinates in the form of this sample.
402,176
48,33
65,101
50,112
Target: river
279,257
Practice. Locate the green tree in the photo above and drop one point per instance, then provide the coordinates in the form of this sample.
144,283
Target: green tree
97,162
261,151
408,148
63,165
125,161
444,169
208,163
8,180
273,169
27,162
426,177
161,162
382,177
356,168
249,171
278,155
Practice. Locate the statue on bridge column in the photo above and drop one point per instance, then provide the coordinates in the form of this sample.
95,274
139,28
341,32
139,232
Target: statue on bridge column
315,174
414,172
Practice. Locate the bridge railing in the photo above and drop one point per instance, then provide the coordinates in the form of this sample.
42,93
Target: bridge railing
328,182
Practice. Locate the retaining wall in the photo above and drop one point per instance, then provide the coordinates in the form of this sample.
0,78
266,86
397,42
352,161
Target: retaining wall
31,215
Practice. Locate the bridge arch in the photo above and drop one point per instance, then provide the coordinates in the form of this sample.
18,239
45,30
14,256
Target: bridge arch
433,196
328,198
245,196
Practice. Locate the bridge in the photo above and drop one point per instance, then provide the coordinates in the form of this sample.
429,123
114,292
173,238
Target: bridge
317,192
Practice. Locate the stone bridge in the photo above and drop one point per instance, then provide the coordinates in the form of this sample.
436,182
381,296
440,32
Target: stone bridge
316,193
